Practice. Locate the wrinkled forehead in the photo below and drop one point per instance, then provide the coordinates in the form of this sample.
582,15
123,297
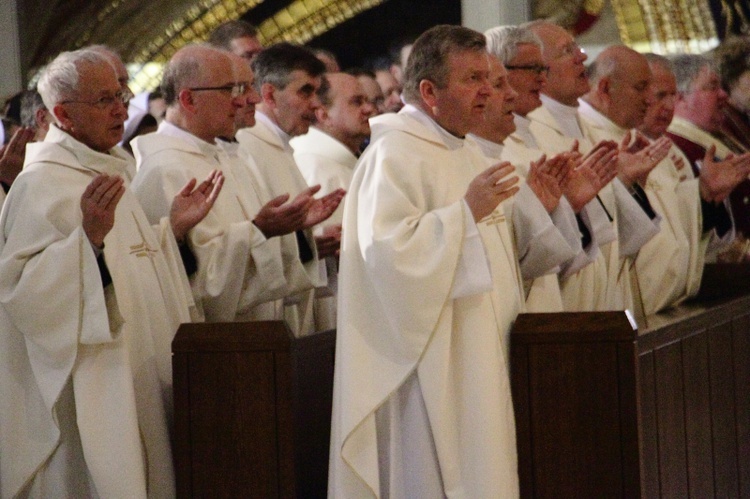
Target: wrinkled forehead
97,78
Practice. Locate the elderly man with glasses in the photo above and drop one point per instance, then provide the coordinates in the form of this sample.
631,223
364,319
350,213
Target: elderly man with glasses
241,264
92,295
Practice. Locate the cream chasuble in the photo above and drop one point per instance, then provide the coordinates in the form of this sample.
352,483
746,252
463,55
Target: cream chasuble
325,161
544,241
271,161
83,367
239,270
670,266
422,403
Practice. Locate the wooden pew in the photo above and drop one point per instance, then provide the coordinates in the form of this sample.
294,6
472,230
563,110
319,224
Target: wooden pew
602,409
252,410
605,410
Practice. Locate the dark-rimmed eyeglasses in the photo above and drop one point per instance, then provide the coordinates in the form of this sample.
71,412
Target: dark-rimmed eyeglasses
536,68
236,89
122,97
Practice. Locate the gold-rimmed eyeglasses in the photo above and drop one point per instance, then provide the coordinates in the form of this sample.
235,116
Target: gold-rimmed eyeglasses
236,89
122,97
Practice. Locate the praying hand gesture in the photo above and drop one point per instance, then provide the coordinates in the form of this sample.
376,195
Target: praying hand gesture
488,189
590,174
277,217
636,160
719,178
192,204
548,177
98,204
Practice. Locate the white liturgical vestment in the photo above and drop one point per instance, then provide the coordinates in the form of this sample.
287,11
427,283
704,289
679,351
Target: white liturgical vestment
325,161
84,370
422,404
544,241
270,158
605,284
239,270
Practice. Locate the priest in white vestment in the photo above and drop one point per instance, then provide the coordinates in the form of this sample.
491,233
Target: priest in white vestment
287,77
669,268
242,269
429,288
543,223
556,126
91,295
326,156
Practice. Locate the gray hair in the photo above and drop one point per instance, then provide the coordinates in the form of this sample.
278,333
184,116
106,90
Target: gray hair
659,60
31,102
503,41
59,80
687,67
429,56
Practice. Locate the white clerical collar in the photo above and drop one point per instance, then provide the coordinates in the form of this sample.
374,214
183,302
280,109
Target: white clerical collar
451,141
171,130
566,116
597,118
489,149
283,136
523,131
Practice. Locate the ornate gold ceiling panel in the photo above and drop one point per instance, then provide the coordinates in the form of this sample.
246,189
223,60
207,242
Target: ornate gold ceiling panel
666,26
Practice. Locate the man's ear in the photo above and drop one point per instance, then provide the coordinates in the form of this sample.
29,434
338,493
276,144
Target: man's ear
185,99
427,92
268,93
61,116
321,114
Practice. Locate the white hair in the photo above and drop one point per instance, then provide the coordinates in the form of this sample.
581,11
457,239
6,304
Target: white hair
503,41
59,80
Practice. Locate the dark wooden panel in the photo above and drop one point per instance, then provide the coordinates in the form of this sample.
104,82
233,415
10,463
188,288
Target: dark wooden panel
519,365
628,409
572,327
649,435
313,362
229,455
721,363
671,421
576,433
698,416
741,345
182,442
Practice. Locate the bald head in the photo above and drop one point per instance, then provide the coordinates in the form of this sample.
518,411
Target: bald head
567,80
200,86
620,79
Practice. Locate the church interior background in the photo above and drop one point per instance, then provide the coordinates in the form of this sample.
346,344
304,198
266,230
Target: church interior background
146,32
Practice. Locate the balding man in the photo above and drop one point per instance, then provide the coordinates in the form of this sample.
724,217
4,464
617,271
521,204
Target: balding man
556,126
429,288
241,270
287,77
92,297
692,206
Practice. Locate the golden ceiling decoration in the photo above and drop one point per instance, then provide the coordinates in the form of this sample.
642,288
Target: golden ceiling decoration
299,22
303,20
666,26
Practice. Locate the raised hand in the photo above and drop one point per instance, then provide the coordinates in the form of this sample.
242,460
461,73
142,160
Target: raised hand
192,204
329,242
12,155
322,208
98,204
719,178
488,189
588,175
635,161
547,177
